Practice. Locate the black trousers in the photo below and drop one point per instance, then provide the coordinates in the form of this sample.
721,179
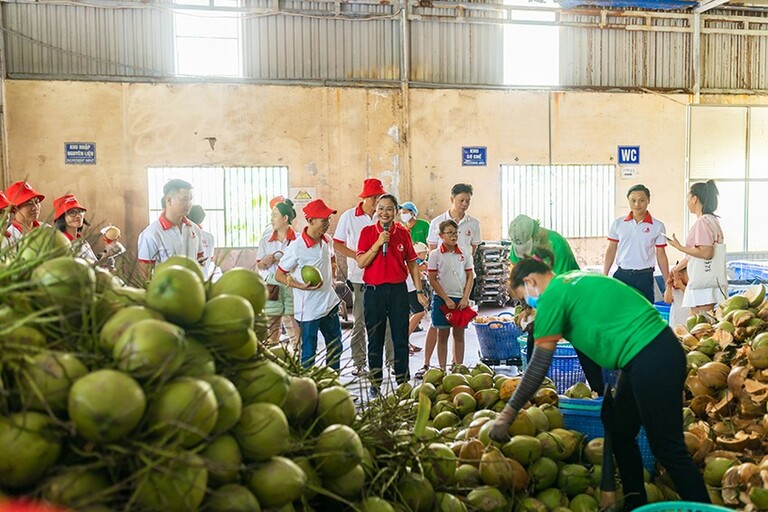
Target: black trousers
641,280
650,393
381,303
592,370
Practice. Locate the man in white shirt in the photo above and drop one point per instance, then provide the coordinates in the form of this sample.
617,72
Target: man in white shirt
345,239
636,242
172,233
210,269
469,239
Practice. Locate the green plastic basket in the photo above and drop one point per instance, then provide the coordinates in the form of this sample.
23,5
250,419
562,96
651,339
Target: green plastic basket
681,506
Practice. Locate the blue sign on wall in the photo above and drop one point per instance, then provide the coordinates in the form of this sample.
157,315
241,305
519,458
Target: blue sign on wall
473,155
629,155
80,153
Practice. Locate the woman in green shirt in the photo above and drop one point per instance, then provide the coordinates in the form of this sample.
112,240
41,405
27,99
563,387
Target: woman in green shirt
419,228
616,327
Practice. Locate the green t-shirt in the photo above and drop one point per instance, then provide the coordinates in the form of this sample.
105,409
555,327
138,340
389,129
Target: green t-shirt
419,231
604,318
564,259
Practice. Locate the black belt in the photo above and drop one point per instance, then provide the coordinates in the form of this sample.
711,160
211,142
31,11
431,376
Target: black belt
638,271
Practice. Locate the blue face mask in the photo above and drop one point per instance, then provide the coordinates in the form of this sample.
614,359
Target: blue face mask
531,300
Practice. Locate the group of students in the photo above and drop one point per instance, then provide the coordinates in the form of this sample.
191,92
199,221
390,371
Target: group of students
385,260
20,208
613,325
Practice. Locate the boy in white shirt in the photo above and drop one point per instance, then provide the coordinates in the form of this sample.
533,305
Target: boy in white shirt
451,275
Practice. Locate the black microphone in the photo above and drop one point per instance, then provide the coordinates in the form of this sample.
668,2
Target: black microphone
385,227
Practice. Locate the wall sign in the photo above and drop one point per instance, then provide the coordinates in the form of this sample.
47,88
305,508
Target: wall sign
80,153
474,155
629,155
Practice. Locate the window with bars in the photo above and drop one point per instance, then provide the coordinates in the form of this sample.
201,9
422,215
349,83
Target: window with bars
207,42
235,199
574,200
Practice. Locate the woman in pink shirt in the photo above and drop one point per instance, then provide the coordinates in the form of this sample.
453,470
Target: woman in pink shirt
702,238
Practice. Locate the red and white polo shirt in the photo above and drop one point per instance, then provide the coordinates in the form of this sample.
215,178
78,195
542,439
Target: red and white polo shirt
452,268
392,268
469,231
310,305
351,224
162,239
637,241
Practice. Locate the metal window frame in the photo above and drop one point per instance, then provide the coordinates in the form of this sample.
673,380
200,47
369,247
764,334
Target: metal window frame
272,179
558,179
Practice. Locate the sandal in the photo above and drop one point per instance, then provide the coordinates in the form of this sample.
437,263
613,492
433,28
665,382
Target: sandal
420,373
413,348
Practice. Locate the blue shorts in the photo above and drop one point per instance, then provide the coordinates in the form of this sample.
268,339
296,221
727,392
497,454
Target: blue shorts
438,317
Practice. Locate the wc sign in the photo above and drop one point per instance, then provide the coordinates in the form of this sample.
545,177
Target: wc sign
629,155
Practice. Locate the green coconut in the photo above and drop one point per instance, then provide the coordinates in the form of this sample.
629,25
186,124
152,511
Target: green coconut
583,503
349,484
232,498
523,449
467,476
446,502
374,504
229,402
175,485
277,482
338,450
335,407
716,468
487,499
439,464
223,459
76,489
264,381
543,473
262,431
416,492
529,504
573,479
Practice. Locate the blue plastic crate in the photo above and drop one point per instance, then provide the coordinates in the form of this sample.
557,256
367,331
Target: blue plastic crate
748,270
682,506
565,370
584,416
498,340
663,308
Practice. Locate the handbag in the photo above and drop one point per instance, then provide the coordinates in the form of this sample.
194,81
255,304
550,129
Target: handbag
704,274
273,292
459,318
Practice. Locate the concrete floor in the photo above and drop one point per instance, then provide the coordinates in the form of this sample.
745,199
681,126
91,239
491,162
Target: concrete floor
360,385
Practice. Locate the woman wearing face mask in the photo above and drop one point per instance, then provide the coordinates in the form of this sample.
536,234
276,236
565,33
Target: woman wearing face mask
419,228
618,328
70,220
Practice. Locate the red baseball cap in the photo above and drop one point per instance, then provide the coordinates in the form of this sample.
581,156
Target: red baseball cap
275,200
372,187
4,203
63,204
21,192
317,209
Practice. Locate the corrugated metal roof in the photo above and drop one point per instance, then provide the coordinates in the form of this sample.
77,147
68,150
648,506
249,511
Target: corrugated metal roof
49,39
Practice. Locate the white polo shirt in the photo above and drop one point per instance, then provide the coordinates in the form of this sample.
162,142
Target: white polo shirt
637,241
452,268
469,232
85,251
269,244
351,223
311,305
162,239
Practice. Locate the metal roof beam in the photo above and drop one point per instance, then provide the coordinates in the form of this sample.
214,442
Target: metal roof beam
705,5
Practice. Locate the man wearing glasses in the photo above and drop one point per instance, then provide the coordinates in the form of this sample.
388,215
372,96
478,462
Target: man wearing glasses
25,209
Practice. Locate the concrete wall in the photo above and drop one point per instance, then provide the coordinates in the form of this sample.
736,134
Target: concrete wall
332,138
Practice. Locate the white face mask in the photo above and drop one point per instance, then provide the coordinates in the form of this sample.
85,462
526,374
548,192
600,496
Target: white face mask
406,217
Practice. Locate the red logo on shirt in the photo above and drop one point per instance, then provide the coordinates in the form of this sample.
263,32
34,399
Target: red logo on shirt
401,248
646,230
469,232
461,257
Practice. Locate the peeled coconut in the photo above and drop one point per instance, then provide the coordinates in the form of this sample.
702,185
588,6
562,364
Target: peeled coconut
262,431
44,380
714,374
184,408
264,381
30,446
338,449
106,405
335,406
416,492
176,485
232,498
487,499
